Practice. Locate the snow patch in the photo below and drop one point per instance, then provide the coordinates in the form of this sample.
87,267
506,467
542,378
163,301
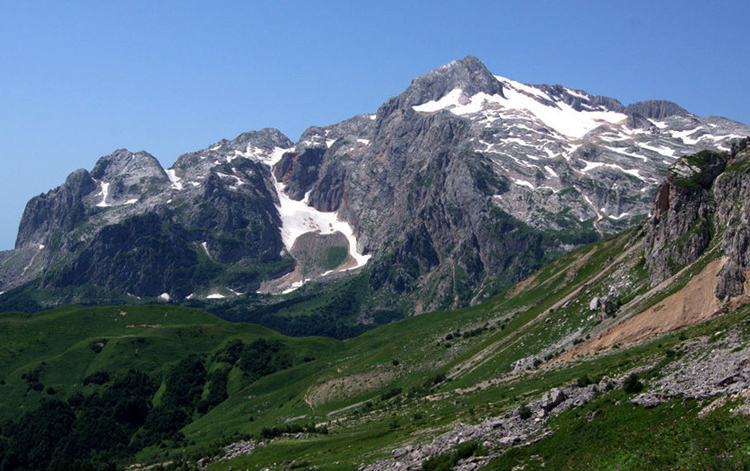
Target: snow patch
172,175
298,218
274,156
447,102
520,182
165,297
591,166
294,286
576,93
665,151
104,193
215,296
594,165
685,136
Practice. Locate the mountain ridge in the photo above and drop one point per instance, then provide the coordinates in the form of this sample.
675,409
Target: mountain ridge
462,177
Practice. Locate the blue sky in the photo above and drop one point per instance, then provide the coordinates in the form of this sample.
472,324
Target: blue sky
80,79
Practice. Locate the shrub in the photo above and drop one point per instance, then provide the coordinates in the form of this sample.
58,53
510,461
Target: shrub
446,461
524,412
392,393
583,381
98,377
632,385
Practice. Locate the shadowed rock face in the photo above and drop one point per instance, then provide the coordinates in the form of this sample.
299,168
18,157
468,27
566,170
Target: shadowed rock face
705,196
127,226
680,230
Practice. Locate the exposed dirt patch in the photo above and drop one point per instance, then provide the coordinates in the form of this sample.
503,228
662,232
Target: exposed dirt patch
694,303
347,386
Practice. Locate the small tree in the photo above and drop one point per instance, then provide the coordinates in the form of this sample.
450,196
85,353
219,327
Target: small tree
524,412
632,385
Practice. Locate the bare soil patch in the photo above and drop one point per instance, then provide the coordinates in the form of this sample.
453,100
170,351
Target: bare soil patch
694,303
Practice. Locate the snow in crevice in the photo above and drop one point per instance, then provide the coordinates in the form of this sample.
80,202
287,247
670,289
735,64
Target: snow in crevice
632,172
104,193
298,218
172,175
237,180
205,249
520,182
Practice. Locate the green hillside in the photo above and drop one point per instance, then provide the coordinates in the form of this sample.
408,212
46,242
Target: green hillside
176,385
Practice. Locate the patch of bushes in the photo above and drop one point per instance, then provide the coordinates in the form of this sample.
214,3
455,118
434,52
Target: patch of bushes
632,385
98,377
446,461
392,393
269,433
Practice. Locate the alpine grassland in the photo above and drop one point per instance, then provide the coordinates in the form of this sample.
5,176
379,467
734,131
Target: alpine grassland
182,389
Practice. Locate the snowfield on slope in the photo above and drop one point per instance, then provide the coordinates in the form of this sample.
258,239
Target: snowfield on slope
298,218
525,100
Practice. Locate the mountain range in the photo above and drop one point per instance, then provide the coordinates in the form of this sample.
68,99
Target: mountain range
456,189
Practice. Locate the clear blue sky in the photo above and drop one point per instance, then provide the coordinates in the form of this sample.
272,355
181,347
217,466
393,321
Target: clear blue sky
79,79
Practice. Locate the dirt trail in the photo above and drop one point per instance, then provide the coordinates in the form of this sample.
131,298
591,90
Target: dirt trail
694,303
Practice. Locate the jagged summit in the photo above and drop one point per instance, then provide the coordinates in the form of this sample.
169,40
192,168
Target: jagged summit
469,75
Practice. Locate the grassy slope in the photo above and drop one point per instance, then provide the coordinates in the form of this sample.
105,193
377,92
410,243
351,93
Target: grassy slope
487,374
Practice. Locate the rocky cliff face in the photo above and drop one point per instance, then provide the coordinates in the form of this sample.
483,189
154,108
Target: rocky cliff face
458,187
704,201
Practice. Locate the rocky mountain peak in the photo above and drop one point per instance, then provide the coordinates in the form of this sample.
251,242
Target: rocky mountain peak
468,74
122,161
266,139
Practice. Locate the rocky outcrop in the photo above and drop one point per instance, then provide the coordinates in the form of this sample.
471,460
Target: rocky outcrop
56,212
467,74
656,109
705,196
732,192
680,229
705,368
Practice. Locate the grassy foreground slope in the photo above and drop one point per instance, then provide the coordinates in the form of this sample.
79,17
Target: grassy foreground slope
441,389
